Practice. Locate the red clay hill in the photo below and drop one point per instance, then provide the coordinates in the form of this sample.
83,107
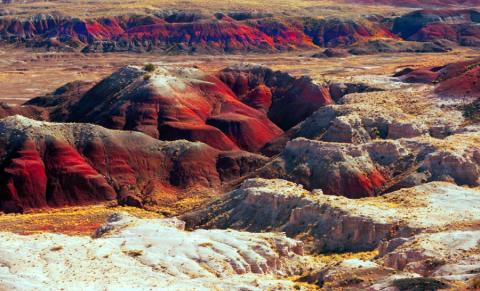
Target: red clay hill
52,164
171,103
458,80
241,107
286,100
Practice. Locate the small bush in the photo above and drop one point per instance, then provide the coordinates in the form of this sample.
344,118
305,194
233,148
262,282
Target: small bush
56,248
472,111
206,245
149,67
134,253
147,77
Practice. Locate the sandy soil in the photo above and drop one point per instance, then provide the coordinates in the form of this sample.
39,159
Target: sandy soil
87,8
25,74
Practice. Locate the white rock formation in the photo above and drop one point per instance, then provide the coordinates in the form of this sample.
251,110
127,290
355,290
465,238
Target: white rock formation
137,254
453,255
337,223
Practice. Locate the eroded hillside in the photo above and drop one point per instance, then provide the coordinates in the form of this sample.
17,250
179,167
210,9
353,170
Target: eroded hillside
158,145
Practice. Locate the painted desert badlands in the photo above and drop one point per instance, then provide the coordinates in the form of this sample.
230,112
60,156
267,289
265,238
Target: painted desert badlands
240,145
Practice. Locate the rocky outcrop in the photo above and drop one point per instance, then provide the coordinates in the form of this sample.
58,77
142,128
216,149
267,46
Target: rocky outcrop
459,26
377,167
336,32
376,46
360,274
50,165
354,124
151,254
422,237
450,254
34,112
332,53
338,224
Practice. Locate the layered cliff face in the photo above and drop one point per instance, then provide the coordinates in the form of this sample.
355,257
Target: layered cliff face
174,32
184,32
450,254
338,224
51,165
360,123
339,32
459,26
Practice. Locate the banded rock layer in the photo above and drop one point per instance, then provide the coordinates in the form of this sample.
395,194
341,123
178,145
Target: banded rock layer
338,224
187,32
51,164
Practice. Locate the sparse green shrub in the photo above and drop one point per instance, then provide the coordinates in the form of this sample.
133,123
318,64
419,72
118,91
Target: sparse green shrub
149,67
472,111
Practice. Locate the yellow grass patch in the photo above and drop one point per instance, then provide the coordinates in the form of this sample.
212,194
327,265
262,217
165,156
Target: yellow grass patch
72,220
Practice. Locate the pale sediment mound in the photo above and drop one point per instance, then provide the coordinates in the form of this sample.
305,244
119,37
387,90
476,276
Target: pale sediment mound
150,254
452,254
425,237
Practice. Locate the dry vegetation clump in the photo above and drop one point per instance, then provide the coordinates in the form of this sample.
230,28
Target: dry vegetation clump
134,253
472,111
56,248
149,67
339,257
72,220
